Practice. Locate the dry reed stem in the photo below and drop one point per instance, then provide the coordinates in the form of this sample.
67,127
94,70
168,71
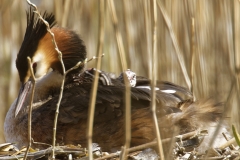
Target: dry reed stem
95,83
118,35
237,87
175,44
127,85
58,10
127,118
153,81
237,34
192,55
237,47
66,12
147,20
63,80
30,109
127,19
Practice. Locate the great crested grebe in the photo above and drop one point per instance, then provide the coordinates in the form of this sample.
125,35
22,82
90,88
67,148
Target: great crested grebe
172,110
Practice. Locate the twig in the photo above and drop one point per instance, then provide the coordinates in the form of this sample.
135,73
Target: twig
63,80
95,83
30,109
228,143
153,81
231,146
41,143
127,85
58,150
176,46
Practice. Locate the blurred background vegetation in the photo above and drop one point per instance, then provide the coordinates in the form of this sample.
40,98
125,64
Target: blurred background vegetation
207,34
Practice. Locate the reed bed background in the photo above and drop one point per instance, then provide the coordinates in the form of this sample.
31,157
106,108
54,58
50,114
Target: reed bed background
207,34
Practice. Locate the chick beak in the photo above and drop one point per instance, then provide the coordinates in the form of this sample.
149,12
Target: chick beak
24,89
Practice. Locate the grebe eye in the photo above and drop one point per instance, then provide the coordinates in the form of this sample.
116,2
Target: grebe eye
34,66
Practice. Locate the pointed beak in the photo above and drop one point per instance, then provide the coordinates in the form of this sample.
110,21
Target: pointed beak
25,87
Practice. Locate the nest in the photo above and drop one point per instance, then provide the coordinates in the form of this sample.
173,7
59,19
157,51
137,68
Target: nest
183,147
